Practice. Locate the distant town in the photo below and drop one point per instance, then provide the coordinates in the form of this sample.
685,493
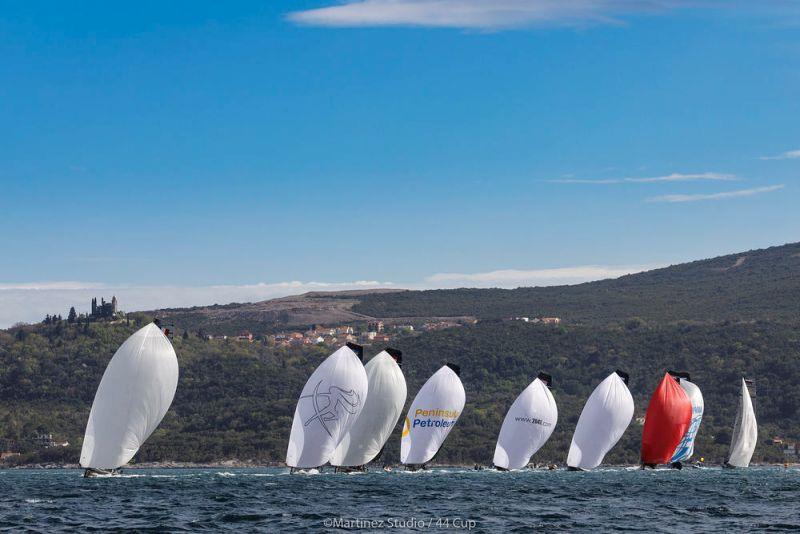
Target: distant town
366,334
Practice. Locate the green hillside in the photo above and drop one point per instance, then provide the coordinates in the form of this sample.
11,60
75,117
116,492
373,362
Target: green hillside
236,400
718,319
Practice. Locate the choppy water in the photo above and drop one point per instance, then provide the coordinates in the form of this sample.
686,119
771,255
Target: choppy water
271,500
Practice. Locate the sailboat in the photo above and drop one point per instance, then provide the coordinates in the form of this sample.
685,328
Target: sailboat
431,417
685,448
134,394
668,417
605,417
329,405
527,426
382,409
745,431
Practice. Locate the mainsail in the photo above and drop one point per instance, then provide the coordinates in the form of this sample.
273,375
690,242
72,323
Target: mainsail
329,405
685,448
134,394
432,415
604,418
668,417
528,425
382,410
745,432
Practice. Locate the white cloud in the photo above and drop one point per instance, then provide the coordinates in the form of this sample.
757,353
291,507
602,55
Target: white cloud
30,302
674,177
510,278
479,14
715,196
49,286
790,154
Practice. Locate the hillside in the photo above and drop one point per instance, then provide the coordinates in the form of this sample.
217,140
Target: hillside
754,285
270,315
718,319
236,400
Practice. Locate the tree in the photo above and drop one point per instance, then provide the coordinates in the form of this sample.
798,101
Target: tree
72,315
185,334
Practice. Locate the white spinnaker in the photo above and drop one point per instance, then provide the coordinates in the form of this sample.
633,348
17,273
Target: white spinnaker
685,448
432,415
330,403
135,393
604,418
528,425
382,410
745,432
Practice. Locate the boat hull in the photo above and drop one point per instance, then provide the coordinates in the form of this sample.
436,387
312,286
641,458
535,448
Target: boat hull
101,473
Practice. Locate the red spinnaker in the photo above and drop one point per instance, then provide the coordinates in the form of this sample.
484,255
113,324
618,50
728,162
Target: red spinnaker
668,417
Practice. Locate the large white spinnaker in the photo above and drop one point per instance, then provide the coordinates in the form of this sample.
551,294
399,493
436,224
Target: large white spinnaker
604,418
134,394
432,415
329,404
745,432
685,448
527,426
382,411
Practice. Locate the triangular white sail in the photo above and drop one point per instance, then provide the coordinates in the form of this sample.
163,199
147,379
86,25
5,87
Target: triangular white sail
382,410
604,418
432,415
685,448
135,393
745,432
528,425
330,403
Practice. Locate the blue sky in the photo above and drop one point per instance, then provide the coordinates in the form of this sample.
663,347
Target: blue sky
196,152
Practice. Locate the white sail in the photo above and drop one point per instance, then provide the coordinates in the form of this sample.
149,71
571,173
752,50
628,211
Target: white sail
431,417
382,410
135,393
745,432
685,448
604,418
330,403
528,425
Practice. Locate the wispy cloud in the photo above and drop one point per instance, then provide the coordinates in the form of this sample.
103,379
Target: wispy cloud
481,14
509,14
715,196
674,177
50,286
790,154
535,277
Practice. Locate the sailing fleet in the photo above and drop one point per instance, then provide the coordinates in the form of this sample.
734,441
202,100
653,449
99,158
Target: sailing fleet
347,411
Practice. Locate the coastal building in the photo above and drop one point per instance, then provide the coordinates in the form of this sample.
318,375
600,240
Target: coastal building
44,440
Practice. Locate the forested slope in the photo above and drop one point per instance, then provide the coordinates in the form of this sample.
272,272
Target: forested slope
236,400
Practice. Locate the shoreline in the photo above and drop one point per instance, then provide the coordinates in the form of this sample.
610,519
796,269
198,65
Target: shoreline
238,464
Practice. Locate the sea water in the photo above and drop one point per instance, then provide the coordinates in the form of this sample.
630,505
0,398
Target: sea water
272,500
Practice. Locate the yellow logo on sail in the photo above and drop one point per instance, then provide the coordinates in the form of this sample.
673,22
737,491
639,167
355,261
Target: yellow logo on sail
406,427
